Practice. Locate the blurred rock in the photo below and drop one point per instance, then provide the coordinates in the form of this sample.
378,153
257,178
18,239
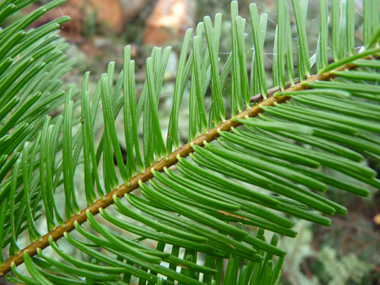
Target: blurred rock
71,30
108,12
86,14
376,219
169,20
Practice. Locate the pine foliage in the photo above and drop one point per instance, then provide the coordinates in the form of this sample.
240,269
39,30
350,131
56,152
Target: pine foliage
235,173
341,271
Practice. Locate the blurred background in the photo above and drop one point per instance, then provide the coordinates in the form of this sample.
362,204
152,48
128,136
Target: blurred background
346,253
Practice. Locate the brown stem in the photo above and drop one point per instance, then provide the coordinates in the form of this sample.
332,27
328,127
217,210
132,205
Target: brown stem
183,151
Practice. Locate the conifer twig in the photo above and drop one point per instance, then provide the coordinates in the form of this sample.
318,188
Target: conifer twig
170,160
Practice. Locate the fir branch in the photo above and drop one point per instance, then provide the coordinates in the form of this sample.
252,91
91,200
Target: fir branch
159,166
